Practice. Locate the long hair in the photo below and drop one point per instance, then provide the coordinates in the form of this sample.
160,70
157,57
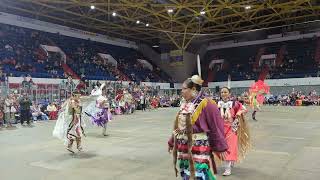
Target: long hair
244,140
174,151
190,141
189,132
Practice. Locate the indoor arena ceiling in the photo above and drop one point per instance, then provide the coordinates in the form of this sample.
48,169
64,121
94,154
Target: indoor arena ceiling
176,21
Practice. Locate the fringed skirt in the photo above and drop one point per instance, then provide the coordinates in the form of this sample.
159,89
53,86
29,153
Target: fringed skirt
75,129
232,141
102,117
202,157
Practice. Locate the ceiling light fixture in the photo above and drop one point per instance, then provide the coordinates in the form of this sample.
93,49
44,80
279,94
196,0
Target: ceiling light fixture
247,7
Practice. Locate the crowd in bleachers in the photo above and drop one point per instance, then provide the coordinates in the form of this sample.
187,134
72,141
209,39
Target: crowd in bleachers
297,61
21,55
82,57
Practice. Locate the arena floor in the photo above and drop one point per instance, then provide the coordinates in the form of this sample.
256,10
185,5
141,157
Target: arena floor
286,147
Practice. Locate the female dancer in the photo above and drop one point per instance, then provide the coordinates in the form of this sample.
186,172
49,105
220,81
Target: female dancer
99,109
235,129
198,134
103,116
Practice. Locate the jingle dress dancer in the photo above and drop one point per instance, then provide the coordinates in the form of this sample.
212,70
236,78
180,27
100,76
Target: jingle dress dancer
198,134
235,129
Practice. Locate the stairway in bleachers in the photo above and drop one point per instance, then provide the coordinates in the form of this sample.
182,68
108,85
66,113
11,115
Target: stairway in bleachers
69,71
261,51
280,55
264,72
210,77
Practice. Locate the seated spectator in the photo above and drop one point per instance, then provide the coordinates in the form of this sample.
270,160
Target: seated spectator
37,113
53,111
154,103
18,67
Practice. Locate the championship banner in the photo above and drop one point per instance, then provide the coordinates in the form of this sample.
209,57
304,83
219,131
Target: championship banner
176,58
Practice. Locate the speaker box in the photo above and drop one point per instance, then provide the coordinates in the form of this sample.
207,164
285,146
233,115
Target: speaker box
171,85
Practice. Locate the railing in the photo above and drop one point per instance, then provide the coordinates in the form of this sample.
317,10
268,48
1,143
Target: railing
60,92
38,93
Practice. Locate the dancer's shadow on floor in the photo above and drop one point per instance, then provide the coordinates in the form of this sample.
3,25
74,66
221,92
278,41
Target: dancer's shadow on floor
77,155
83,155
10,128
246,174
28,126
97,135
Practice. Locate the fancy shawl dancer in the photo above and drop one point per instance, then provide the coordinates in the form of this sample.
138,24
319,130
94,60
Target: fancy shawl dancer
69,126
198,133
99,110
257,91
235,128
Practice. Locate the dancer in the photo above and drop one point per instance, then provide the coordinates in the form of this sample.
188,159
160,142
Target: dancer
75,129
198,134
254,105
129,102
69,126
100,114
257,91
235,129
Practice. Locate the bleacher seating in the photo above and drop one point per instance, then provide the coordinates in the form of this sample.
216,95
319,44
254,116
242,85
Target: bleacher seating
298,60
236,63
20,47
81,54
19,53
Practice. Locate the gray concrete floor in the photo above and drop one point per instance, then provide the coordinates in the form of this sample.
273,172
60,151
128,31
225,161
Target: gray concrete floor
286,147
